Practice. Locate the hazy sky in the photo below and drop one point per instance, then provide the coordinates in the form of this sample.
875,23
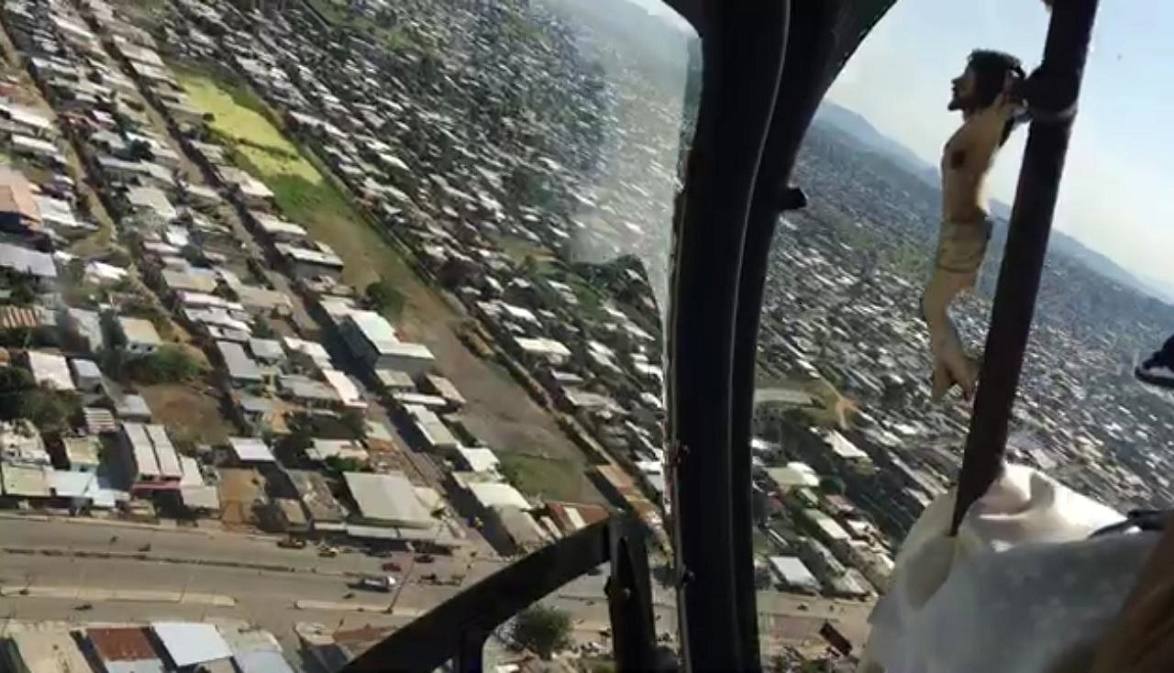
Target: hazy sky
1118,190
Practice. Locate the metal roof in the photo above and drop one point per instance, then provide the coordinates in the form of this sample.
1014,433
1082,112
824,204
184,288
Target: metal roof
240,365
139,331
315,494
435,432
69,484
251,450
27,261
374,328
188,643
86,368
266,349
344,387
165,452
122,643
389,498
154,199
543,346
792,571
50,369
498,495
479,459
23,481
48,652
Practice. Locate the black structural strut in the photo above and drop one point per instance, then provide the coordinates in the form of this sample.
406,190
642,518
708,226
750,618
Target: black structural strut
822,36
743,49
458,628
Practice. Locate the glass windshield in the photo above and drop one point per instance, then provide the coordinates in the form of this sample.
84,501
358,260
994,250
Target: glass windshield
320,311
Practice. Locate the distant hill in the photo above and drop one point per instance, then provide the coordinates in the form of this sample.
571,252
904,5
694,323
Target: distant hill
859,129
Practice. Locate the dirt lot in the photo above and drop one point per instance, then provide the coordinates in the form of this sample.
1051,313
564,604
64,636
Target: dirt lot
190,413
239,489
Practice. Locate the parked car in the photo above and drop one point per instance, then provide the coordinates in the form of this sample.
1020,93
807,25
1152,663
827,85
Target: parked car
327,552
425,558
291,543
392,566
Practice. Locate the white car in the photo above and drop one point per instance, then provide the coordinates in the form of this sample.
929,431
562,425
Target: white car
382,583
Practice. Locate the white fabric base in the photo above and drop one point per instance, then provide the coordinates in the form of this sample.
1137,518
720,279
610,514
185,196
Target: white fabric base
1021,589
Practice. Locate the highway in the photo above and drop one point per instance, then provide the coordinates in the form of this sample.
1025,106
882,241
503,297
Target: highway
49,566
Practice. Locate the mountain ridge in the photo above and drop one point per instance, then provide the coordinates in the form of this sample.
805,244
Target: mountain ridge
858,128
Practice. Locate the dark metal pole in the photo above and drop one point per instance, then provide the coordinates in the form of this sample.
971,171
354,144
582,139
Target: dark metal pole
1054,88
471,655
807,56
822,36
743,50
629,600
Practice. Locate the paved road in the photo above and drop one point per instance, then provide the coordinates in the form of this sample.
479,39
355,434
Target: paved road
177,562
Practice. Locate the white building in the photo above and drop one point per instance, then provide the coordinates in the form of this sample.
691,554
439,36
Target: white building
373,340
50,370
792,574
139,336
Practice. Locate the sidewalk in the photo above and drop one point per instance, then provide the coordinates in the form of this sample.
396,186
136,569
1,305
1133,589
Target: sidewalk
348,606
127,595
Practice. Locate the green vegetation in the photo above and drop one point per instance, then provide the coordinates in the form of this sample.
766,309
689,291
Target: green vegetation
291,449
536,475
542,630
20,397
385,298
393,37
302,191
171,363
339,465
833,485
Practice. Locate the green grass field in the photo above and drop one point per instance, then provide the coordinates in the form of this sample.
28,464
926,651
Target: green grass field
549,477
302,192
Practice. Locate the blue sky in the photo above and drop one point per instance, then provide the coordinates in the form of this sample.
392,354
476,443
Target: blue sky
1119,180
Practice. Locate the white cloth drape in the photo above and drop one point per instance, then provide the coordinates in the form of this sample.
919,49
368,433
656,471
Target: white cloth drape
1021,589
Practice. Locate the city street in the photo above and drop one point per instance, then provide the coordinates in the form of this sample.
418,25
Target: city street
42,553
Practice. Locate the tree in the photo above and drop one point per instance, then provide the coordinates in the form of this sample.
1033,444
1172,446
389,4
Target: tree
171,363
833,485
338,464
20,397
355,422
291,448
543,630
385,298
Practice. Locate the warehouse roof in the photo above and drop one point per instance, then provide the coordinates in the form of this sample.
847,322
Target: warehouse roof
374,328
479,459
240,366
27,261
51,370
251,450
139,331
389,498
792,571
498,495
49,652
189,643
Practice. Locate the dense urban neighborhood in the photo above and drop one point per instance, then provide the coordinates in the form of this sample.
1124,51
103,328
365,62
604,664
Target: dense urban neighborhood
314,313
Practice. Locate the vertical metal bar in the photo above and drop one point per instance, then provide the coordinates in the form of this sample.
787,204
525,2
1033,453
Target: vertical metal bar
629,600
1027,241
736,104
470,657
803,81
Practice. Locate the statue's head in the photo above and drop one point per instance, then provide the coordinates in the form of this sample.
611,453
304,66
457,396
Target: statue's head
988,73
